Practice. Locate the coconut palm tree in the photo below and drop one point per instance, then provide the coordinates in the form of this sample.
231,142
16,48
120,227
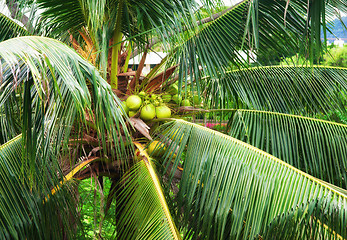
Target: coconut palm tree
279,171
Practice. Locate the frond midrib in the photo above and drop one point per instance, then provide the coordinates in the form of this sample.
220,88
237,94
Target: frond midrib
288,66
10,142
279,66
292,116
279,114
13,22
161,197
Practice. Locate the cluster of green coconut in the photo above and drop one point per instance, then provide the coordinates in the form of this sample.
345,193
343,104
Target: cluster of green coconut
148,107
173,96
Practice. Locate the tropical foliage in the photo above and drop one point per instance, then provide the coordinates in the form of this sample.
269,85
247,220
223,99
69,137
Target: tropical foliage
279,172
336,57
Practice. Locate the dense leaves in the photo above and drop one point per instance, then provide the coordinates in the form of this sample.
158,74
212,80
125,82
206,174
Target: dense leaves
219,187
145,213
312,145
55,81
286,89
55,94
252,28
28,208
230,189
10,29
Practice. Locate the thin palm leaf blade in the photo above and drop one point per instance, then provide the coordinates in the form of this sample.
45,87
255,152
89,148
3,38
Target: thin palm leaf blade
230,189
11,124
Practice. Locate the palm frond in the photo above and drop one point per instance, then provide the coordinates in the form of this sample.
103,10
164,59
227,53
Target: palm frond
10,29
315,146
254,27
145,213
230,189
69,176
64,15
298,222
286,89
137,17
56,95
24,213
11,124
213,46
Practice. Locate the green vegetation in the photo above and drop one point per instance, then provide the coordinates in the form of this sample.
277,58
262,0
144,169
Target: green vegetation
92,149
337,57
92,217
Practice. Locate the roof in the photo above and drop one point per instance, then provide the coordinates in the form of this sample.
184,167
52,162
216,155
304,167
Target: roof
152,58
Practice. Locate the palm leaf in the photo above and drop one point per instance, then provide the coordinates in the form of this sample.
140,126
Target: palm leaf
298,222
23,213
145,214
312,145
10,29
137,18
56,95
286,89
213,46
133,19
69,176
286,27
230,189
64,15
11,124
